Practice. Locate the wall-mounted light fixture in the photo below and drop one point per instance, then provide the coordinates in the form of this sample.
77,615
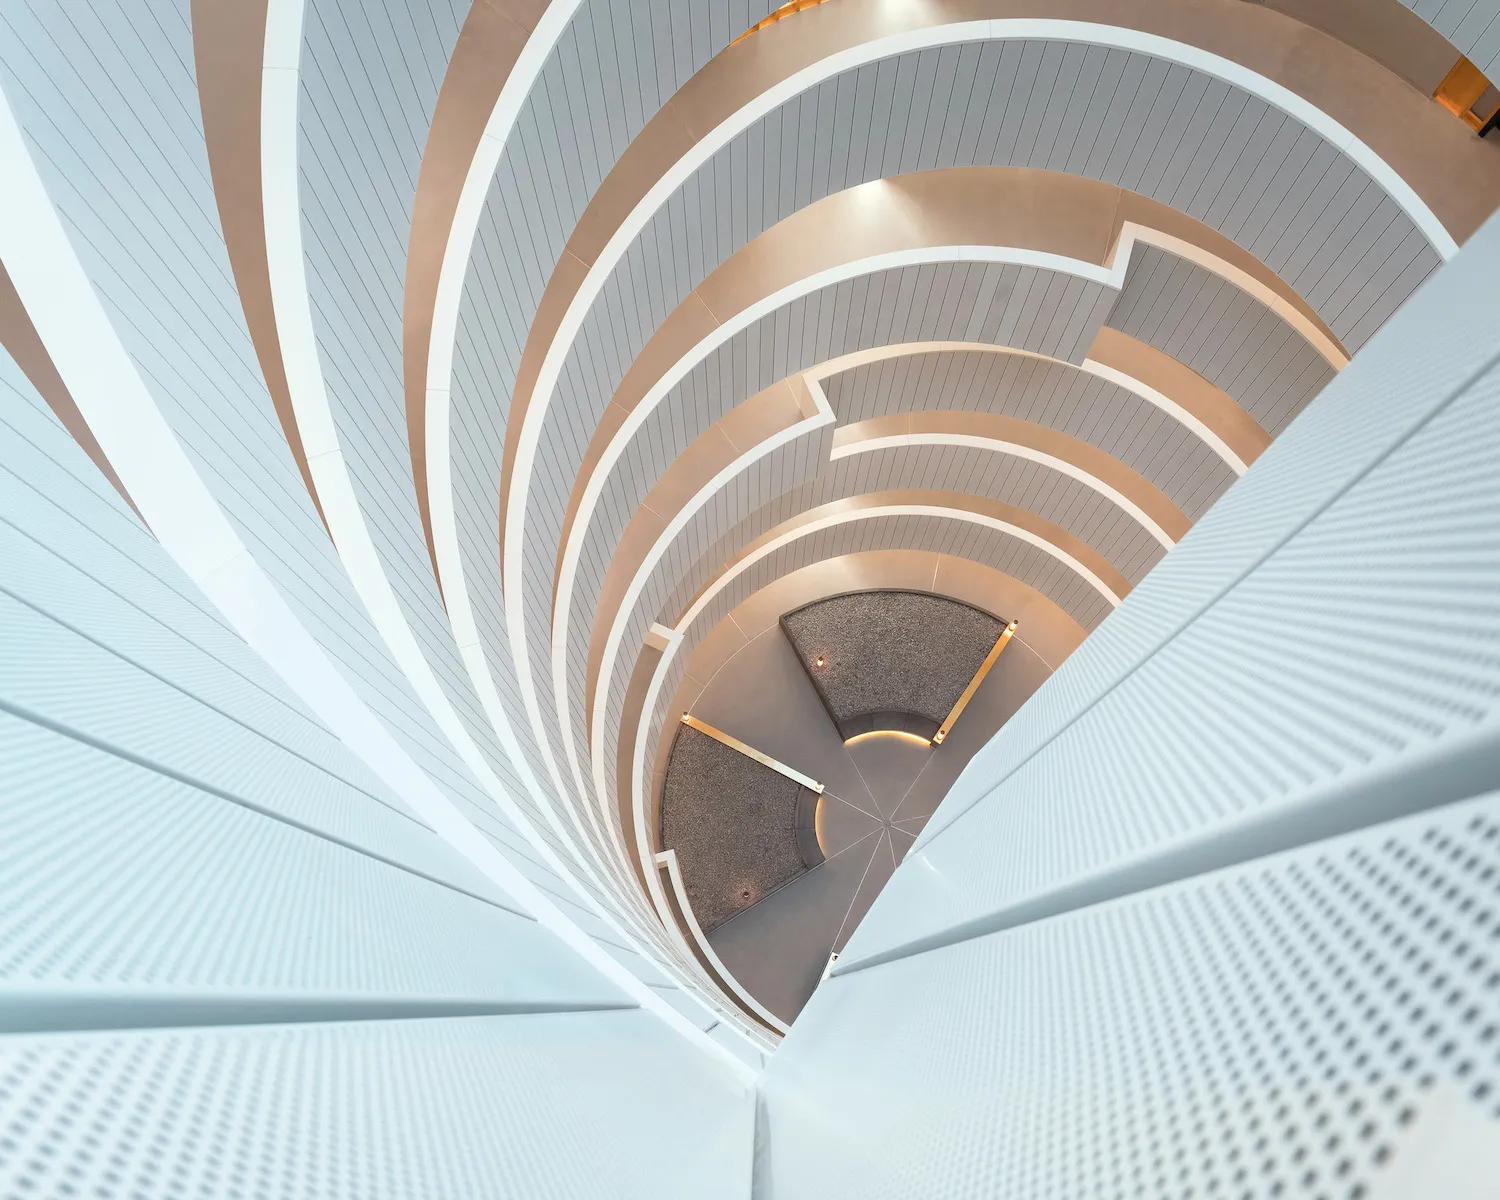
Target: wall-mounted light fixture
1469,96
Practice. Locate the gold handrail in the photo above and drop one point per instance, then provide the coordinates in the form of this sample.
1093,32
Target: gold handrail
984,669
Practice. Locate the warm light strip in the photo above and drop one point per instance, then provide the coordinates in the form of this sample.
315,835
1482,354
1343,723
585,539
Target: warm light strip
765,760
984,669
881,733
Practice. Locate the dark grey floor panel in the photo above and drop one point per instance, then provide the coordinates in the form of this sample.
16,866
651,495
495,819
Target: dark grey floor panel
887,652
732,821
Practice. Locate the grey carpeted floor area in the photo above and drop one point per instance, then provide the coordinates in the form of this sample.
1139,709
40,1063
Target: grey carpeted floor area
890,652
732,822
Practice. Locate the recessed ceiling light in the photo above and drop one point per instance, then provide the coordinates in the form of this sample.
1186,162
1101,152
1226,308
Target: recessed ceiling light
818,662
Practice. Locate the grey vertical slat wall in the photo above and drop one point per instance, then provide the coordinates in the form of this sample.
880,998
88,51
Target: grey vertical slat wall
1120,423
1471,25
1232,340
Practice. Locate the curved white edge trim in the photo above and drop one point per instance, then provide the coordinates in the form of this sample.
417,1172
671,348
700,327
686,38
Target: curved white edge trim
822,418
181,511
514,590
1132,233
1017,450
669,640
464,229
599,478
442,339
668,859
860,358
1017,28
292,312
470,645
1171,407
891,510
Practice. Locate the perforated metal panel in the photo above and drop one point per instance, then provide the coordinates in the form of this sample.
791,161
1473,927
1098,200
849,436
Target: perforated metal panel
1368,639
1432,349
1273,1030
579,1106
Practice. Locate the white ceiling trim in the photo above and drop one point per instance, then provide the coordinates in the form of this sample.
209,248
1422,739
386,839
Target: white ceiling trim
296,333
822,418
442,339
1021,28
599,478
833,520
183,514
514,591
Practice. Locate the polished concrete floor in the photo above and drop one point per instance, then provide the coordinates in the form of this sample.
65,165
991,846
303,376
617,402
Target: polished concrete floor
879,792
